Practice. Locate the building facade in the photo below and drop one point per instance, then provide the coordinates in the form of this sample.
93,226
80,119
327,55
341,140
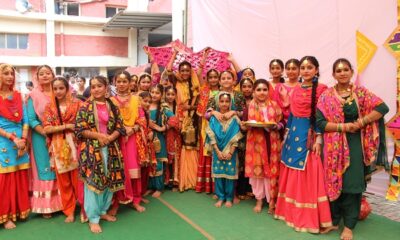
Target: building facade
69,36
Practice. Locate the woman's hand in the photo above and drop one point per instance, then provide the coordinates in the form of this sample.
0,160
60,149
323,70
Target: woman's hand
103,139
229,114
220,155
317,149
70,126
351,127
20,143
219,116
129,131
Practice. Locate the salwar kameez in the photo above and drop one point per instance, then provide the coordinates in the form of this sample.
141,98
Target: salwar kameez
347,166
45,196
224,135
14,178
302,200
101,168
156,181
63,151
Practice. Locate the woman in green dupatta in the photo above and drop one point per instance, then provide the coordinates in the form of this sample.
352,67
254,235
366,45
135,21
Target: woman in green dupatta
354,144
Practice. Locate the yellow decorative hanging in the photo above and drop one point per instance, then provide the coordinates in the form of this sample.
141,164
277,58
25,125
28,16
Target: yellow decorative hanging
365,51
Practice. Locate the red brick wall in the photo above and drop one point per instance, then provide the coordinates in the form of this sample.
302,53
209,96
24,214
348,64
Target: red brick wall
76,45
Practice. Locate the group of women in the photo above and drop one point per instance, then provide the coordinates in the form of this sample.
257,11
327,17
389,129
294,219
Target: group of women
303,148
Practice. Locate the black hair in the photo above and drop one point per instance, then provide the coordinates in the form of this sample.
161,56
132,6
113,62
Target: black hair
292,61
29,84
280,63
211,71
44,66
161,89
119,72
244,80
225,94
143,76
66,84
251,70
134,75
314,62
144,94
83,79
260,81
99,78
227,71
174,89
341,60
183,64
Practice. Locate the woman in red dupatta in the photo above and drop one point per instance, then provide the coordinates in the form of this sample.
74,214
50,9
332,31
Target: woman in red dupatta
263,147
354,142
204,180
59,124
302,202
14,185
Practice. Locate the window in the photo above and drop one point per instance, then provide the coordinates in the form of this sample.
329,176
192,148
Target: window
13,41
72,9
111,11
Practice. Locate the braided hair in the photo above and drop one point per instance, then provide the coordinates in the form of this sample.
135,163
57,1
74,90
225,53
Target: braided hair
66,84
314,62
160,88
174,103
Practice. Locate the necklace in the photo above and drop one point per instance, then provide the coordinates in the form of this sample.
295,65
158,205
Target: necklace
123,94
347,97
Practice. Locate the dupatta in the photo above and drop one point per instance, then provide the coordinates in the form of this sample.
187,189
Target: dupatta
263,161
336,151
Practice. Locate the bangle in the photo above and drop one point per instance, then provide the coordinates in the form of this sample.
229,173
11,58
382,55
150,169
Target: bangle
319,140
339,127
25,127
12,137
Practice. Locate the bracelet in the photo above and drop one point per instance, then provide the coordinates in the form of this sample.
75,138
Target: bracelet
339,127
319,140
25,127
12,137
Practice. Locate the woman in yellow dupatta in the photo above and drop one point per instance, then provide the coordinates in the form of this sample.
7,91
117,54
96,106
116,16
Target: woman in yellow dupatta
187,85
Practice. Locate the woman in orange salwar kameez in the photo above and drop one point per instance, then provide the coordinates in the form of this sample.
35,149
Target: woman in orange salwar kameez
59,123
263,147
187,86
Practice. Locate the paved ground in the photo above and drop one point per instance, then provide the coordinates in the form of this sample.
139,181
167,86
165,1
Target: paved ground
383,207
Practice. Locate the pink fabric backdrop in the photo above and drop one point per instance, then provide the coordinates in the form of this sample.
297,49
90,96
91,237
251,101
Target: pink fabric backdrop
256,31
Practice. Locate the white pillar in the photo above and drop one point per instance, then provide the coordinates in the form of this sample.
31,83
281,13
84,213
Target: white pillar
50,33
133,45
178,20
143,40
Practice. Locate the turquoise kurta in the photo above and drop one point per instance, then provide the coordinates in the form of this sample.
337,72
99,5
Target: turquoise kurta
40,150
156,182
8,150
224,135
